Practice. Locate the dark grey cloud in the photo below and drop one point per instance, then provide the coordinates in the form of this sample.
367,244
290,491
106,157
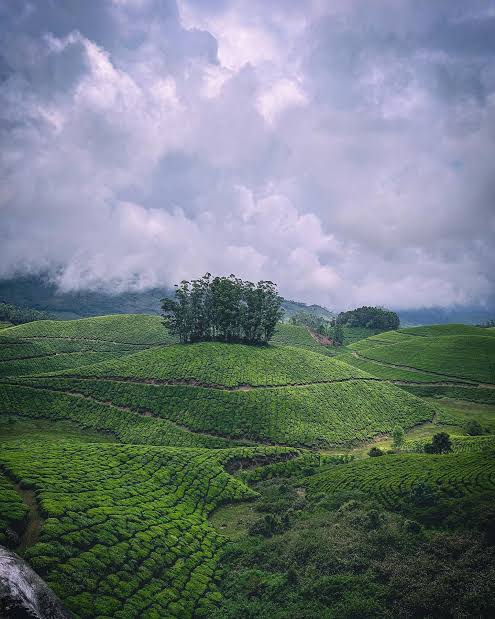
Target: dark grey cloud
343,149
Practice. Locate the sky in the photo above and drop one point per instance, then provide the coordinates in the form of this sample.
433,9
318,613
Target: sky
344,149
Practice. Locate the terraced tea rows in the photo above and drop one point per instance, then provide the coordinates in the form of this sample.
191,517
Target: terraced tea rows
390,478
460,444
126,531
228,365
52,363
388,372
126,425
465,357
136,329
313,415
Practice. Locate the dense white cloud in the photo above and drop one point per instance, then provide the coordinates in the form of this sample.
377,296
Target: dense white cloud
342,149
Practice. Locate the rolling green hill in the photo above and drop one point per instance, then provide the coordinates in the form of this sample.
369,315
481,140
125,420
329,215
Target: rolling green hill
273,394
391,477
228,365
465,357
450,329
137,329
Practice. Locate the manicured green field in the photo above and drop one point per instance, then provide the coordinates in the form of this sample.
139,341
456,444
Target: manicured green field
126,531
390,478
121,328
316,415
465,357
481,395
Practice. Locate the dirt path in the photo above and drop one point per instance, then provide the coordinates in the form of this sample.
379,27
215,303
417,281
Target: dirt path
32,530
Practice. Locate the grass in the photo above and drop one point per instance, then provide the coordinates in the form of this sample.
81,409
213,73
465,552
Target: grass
126,529
391,373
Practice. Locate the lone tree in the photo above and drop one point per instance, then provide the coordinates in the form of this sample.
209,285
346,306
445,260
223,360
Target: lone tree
398,437
225,309
440,444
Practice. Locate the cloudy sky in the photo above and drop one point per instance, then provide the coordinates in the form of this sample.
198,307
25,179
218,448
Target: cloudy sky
342,148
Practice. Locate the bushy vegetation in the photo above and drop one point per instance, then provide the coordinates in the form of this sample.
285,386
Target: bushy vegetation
126,531
392,477
370,318
341,553
223,308
449,329
12,510
19,315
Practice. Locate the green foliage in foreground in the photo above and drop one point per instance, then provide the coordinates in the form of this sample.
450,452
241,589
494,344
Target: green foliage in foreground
392,477
229,365
126,531
127,426
12,508
333,414
344,555
459,356
137,329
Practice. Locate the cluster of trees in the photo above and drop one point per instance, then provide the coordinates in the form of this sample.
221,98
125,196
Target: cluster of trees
225,309
370,317
489,324
19,315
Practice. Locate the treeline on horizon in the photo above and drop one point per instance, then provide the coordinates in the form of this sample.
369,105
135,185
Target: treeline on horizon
20,315
225,309
370,318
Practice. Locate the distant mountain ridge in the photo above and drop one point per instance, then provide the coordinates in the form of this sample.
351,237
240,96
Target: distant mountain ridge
41,294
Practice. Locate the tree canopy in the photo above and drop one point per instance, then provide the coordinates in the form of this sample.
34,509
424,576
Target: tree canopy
370,317
226,309
19,315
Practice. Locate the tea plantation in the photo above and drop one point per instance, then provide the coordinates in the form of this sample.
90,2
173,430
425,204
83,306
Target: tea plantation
392,477
169,447
125,529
